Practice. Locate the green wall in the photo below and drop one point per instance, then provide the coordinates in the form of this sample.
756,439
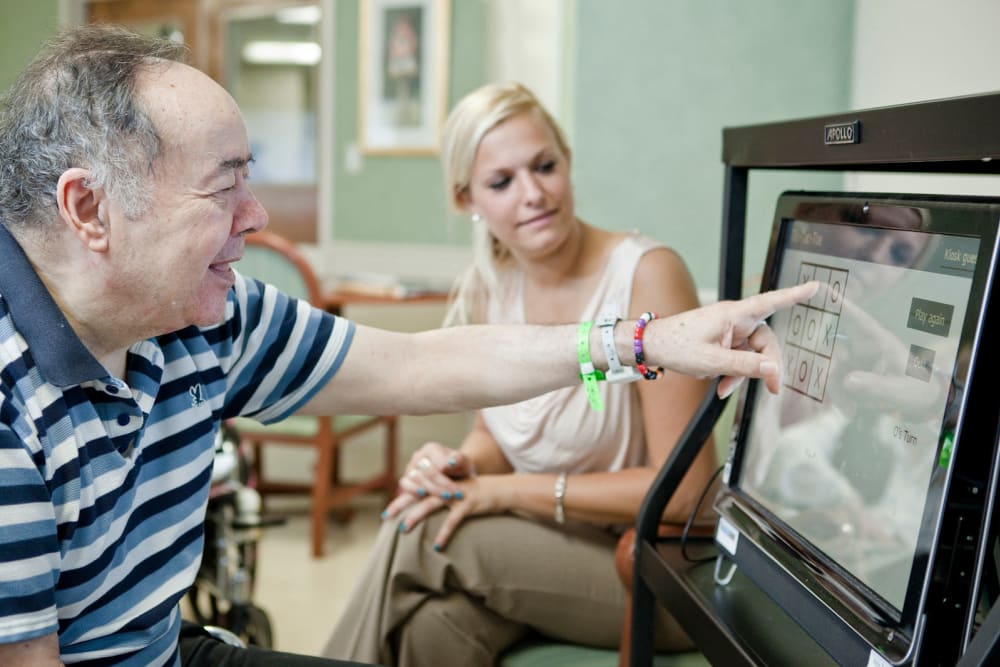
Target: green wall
653,83
23,27
657,80
399,199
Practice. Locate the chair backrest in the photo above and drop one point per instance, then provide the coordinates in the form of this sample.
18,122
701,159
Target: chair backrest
274,259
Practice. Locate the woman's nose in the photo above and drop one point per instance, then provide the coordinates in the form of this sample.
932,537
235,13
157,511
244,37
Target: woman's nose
531,189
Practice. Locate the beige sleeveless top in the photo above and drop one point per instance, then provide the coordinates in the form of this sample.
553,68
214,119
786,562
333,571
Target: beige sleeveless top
559,431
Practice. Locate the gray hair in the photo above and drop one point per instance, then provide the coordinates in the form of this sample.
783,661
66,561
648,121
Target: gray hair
75,105
472,118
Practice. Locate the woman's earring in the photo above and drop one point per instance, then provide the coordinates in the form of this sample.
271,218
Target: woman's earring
476,217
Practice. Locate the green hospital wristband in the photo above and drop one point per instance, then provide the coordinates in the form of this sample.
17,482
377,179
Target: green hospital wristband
587,370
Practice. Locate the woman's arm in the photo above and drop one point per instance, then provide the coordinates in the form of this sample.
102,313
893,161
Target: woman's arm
669,403
482,449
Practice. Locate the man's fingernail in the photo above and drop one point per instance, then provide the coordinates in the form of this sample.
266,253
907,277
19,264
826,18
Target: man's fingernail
768,368
733,386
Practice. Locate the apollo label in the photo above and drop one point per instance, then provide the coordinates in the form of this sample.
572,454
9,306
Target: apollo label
842,133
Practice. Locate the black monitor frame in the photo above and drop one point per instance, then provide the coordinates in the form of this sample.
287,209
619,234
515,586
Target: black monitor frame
843,615
957,135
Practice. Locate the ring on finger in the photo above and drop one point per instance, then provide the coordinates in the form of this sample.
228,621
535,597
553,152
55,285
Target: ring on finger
424,463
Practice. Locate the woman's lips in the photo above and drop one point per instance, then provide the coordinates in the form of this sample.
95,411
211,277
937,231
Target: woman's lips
544,217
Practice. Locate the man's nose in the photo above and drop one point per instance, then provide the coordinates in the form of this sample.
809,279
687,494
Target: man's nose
250,216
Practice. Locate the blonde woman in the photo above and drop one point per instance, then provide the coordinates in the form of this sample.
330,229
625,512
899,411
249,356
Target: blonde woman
514,531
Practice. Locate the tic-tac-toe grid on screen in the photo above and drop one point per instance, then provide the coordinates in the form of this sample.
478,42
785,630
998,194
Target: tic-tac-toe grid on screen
812,331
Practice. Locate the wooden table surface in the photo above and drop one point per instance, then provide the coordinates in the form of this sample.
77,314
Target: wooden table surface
334,300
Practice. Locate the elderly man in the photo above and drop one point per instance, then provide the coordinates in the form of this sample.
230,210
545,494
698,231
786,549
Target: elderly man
126,337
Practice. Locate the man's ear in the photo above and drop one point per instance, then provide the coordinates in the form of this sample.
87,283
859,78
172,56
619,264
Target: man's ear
83,209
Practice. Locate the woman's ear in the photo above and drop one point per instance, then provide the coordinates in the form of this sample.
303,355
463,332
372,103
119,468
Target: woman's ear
83,209
461,198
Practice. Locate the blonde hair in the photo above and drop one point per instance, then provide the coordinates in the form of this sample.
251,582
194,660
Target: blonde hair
469,121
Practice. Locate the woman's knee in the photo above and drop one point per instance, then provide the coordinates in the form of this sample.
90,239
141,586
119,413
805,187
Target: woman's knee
452,627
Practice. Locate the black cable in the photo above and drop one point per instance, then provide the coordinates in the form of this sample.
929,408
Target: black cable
691,518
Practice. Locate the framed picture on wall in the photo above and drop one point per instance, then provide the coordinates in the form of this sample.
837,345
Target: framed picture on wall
403,84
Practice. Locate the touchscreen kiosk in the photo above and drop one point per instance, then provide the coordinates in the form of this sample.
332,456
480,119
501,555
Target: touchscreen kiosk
836,489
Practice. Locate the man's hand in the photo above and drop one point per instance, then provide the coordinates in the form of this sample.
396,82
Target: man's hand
729,338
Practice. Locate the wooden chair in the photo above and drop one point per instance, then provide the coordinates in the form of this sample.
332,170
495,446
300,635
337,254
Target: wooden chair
542,652
276,260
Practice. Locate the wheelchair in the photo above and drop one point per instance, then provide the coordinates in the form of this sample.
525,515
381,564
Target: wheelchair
222,594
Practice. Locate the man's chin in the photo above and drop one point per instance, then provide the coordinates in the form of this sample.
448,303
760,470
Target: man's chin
209,315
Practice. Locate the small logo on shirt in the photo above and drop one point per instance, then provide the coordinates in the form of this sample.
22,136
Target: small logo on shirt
197,395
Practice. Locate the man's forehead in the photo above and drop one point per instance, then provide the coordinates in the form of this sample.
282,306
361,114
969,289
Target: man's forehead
184,102
201,127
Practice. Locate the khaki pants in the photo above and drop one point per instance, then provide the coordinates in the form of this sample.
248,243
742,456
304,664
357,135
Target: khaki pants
498,578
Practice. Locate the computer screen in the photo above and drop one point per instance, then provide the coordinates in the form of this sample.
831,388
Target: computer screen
841,478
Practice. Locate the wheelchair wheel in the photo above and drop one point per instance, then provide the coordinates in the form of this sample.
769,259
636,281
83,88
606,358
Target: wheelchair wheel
257,630
204,606
247,621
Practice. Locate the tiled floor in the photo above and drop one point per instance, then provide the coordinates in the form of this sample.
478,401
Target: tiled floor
305,596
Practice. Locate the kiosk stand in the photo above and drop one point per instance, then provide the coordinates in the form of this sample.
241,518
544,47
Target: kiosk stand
739,623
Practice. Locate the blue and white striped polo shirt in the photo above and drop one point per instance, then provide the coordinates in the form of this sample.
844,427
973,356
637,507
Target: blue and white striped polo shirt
103,482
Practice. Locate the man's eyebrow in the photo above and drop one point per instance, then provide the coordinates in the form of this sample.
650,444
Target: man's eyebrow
234,163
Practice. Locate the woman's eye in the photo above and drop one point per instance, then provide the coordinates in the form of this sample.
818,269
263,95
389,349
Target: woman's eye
499,184
547,167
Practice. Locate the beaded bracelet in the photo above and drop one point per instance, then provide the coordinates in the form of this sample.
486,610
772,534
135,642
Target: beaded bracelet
640,357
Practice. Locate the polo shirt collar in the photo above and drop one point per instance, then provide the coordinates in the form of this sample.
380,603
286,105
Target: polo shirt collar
58,352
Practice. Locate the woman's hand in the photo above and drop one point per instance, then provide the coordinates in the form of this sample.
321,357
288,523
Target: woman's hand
430,473
477,495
